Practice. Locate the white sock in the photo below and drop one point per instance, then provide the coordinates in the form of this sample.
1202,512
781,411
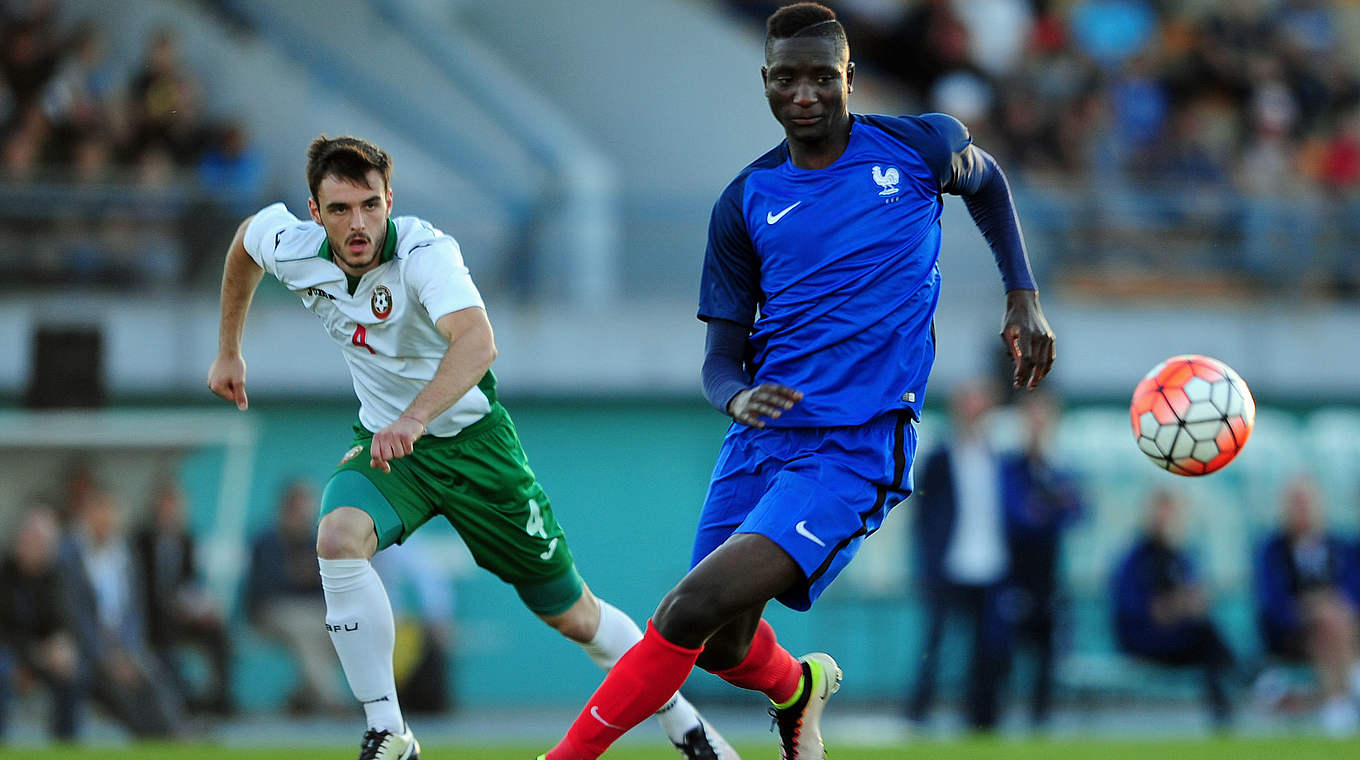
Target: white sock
1355,680
359,619
617,634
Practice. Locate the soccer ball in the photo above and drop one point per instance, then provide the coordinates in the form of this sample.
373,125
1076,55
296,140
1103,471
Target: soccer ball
1191,414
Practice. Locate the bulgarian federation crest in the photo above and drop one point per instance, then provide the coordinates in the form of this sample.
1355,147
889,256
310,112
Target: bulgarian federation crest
352,453
381,302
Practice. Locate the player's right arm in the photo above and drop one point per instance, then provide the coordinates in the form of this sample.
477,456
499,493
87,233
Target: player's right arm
241,275
726,382
728,298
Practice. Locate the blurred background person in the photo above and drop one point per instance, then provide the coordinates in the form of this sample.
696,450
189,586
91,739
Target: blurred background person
1161,610
960,541
1304,609
179,610
1041,500
283,599
127,679
37,636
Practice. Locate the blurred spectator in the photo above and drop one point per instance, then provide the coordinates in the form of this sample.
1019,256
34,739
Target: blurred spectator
164,98
179,610
1303,607
37,636
127,679
231,167
1278,211
28,56
1161,607
1112,31
284,602
960,542
930,42
75,99
1041,501
421,590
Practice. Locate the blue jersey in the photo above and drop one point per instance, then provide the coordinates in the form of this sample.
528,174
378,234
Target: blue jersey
834,270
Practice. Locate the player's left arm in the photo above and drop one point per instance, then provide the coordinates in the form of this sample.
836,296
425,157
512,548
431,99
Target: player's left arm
472,349
975,175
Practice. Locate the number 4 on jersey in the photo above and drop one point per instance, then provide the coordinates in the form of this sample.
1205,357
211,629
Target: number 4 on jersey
360,338
535,528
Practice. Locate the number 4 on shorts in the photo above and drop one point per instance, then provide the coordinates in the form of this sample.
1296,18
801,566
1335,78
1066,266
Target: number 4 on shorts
535,528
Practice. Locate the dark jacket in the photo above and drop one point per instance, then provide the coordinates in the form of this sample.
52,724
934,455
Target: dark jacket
32,608
165,571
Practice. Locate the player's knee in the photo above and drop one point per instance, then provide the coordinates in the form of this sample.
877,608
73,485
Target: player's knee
346,533
686,617
723,652
580,622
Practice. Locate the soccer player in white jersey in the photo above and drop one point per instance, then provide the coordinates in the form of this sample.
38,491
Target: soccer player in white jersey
431,438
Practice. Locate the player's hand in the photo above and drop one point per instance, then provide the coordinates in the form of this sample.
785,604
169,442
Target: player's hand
394,442
1028,338
765,400
227,378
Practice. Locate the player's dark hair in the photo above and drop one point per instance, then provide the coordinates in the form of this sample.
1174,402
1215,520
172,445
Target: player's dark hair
804,20
349,158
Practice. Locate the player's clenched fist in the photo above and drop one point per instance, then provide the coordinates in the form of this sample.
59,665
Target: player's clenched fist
765,400
394,442
227,378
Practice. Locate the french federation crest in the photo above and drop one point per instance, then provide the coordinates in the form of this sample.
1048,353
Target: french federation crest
887,180
382,302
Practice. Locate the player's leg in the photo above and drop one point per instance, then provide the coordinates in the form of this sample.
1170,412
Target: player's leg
606,633
1330,632
364,510
729,583
832,489
506,520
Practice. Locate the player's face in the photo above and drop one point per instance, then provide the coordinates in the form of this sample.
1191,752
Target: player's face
807,81
355,218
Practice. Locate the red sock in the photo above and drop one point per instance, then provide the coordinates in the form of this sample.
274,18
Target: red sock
642,681
768,668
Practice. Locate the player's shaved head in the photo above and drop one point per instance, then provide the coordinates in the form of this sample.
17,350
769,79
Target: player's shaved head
346,157
805,20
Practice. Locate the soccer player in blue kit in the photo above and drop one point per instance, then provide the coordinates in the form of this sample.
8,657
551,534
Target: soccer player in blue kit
819,289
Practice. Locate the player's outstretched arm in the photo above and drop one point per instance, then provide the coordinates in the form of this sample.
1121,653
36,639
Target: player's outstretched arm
1028,338
240,277
472,349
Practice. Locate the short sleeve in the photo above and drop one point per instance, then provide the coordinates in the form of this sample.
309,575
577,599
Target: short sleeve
730,286
441,281
264,234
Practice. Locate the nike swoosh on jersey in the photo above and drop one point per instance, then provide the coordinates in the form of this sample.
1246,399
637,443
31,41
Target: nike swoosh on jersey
771,218
801,527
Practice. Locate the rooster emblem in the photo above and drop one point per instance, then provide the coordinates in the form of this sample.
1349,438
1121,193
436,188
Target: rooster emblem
887,180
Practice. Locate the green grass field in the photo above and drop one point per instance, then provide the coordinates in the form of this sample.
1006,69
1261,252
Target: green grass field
1285,748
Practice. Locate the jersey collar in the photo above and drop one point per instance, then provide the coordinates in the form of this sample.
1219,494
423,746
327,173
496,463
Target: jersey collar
389,250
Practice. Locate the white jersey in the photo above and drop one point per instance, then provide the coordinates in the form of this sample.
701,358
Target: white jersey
386,327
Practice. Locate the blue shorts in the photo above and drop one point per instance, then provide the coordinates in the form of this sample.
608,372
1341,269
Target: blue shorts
816,492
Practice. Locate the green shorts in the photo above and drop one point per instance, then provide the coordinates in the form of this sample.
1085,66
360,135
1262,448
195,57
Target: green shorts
480,481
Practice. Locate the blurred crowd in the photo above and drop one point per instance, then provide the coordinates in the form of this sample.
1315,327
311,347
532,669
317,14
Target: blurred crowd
1208,136
1156,147
100,164
104,605
988,524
